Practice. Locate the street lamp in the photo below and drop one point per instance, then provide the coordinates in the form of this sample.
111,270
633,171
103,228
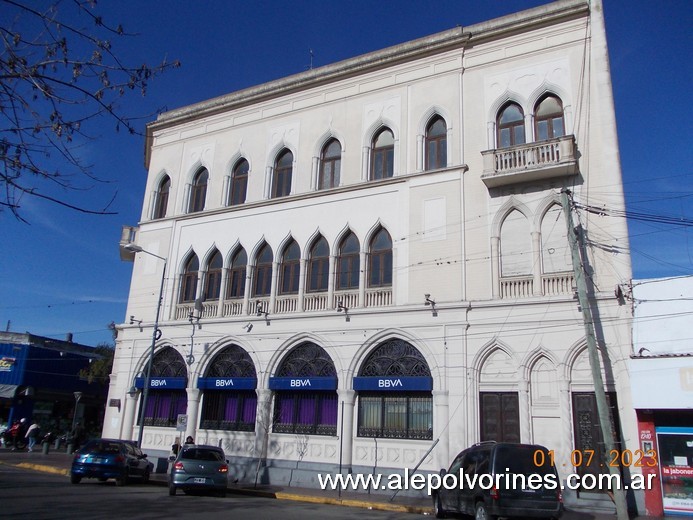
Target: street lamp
155,335
78,396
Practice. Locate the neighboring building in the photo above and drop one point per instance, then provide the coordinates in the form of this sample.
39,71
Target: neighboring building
378,259
39,377
662,381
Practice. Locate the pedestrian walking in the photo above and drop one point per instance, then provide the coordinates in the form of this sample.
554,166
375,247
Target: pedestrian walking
32,434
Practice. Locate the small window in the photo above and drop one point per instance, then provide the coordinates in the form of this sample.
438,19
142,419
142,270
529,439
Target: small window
236,276
263,272
290,268
511,126
348,263
281,181
548,118
380,260
318,266
436,144
382,155
188,290
213,279
330,165
198,191
239,183
161,202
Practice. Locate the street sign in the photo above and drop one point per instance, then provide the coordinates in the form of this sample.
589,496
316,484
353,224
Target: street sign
182,422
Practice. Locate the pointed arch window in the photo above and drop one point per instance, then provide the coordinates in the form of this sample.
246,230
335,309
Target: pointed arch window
281,181
290,268
511,126
239,183
235,287
188,286
348,263
330,165
161,198
198,191
382,155
436,144
380,260
318,266
548,118
213,278
263,272
230,409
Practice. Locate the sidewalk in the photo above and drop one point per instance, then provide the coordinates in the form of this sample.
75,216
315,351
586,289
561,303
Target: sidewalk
59,462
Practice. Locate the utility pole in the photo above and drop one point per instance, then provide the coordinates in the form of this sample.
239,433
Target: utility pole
575,235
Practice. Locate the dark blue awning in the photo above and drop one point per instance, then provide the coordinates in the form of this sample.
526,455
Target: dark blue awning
162,383
303,383
227,383
393,384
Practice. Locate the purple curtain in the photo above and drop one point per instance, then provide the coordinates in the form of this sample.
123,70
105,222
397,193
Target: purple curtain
286,408
306,409
164,407
151,403
182,402
231,408
249,409
328,411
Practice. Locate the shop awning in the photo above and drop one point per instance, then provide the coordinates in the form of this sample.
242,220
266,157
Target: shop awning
8,391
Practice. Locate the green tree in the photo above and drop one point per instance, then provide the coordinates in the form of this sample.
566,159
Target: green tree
60,77
99,370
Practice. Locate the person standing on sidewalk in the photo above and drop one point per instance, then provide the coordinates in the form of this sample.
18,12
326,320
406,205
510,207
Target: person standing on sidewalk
32,434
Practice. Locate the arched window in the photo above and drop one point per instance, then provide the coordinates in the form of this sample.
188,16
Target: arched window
382,155
511,126
515,246
548,118
165,403
306,411
380,260
290,268
213,278
198,191
402,409
330,165
348,263
235,284
161,198
230,409
239,183
318,266
555,251
436,144
188,285
281,181
263,272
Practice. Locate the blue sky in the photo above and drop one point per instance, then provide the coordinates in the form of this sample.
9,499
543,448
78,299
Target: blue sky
62,272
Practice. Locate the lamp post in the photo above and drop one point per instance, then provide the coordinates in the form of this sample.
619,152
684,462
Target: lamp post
78,396
155,335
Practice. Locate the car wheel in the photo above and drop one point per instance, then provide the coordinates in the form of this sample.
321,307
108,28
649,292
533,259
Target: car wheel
171,489
482,513
440,512
75,479
122,480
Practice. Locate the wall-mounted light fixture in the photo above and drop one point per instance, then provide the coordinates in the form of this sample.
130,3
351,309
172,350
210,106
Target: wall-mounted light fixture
248,327
133,321
430,302
343,308
194,320
262,310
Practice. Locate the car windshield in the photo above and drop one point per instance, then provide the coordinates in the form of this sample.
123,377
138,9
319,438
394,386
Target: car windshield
101,447
524,460
202,454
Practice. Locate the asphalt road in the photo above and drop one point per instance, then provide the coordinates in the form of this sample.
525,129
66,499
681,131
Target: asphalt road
37,496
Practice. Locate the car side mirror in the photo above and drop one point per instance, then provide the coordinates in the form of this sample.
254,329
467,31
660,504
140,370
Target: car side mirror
443,471
172,458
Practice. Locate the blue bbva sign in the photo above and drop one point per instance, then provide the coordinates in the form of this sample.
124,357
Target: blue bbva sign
227,383
303,383
393,384
164,383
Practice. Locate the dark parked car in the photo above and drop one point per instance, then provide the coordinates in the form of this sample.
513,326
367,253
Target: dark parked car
199,468
110,458
527,484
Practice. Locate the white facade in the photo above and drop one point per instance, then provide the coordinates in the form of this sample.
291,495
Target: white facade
481,234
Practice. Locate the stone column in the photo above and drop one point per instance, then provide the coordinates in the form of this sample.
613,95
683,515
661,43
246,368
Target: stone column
301,284
536,262
330,282
194,395
440,419
263,422
129,415
362,278
495,267
525,412
348,397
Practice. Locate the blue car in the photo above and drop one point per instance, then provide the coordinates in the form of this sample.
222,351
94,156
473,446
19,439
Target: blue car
110,458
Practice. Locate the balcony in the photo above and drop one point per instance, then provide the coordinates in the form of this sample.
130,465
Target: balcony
530,162
552,284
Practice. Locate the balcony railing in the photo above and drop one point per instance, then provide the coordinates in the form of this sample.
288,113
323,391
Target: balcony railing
553,284
285,304
378,297
315,302
556,284
232,307
517,287
530,162
348,299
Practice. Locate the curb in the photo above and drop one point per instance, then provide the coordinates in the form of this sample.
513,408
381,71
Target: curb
279,495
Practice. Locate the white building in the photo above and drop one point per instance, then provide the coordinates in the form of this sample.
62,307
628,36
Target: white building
380,258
